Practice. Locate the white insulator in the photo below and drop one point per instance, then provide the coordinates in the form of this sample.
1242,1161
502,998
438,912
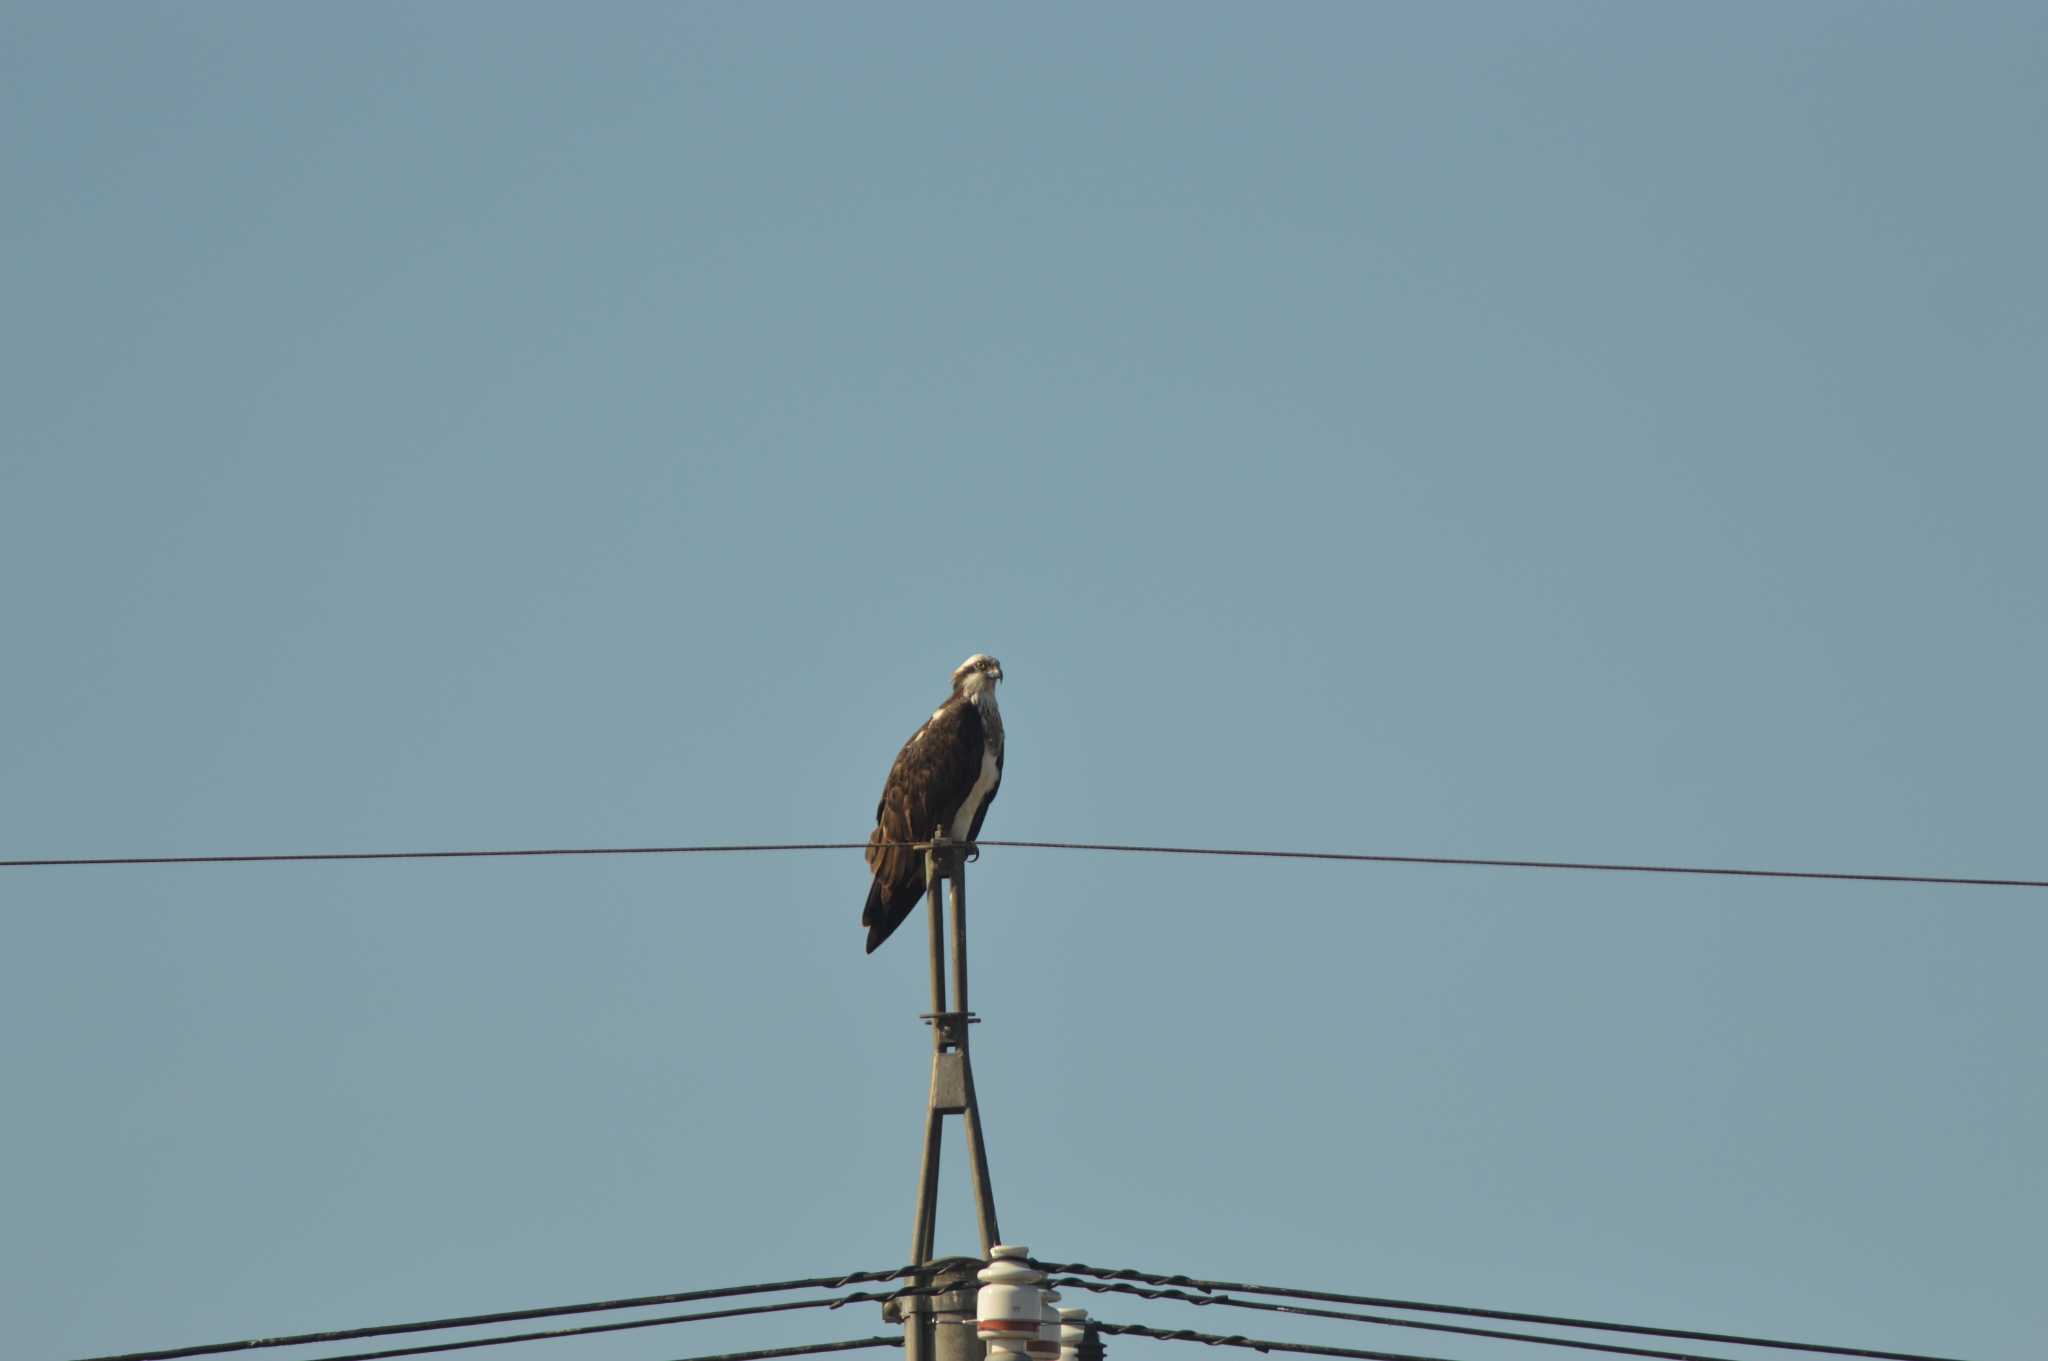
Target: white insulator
1047,1345
1009,1308
1073,1327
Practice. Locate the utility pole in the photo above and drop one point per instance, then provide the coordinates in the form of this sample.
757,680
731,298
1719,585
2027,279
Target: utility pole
940,1326
952,1093
1012,1316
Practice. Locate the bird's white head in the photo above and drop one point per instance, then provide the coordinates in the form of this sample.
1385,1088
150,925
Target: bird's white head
978,673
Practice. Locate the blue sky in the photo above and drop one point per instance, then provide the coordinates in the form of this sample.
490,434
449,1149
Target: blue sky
1578,431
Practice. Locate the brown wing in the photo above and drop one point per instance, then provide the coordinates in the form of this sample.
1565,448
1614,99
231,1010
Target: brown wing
932,775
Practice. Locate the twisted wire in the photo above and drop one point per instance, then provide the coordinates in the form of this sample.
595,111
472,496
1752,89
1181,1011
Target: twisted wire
839,1282
1257,1344
835,1302
1468,1311
1466,1330
810,1349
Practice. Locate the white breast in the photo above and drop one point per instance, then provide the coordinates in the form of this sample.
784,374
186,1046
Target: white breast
976,796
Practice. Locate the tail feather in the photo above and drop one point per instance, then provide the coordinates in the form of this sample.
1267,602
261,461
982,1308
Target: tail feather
887,907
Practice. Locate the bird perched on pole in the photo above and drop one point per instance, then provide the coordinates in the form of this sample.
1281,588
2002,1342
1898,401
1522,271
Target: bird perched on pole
943,781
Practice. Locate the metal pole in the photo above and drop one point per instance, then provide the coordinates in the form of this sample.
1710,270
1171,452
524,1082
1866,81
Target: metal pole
917,1324
927,1190
960,942
923,1231
977,1155
954,1335
977,1159
935,888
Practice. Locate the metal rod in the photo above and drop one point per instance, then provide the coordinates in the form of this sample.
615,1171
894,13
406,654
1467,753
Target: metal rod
927,1190
977,1162
935,888
928,1168
960,947
977,1156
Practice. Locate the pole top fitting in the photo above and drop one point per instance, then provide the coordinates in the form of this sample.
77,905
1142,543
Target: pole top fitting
946,855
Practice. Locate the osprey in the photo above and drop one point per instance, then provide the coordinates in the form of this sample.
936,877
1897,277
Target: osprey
944,780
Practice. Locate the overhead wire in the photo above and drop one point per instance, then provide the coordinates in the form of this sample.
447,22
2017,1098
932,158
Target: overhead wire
503,1316
808,1349
1355,857
1469,1311
530,851
1483,863
585,1330
1307,1311
1257,1344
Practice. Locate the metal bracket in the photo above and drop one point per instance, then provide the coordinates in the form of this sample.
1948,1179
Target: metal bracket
951,1025
946,856
949,1083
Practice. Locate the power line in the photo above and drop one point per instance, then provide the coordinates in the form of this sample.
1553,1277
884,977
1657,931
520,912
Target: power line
504,1316
1336,856
436,855
1554,1320
1528,864
505,1339
1181,1296
812,1349
1256,1344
